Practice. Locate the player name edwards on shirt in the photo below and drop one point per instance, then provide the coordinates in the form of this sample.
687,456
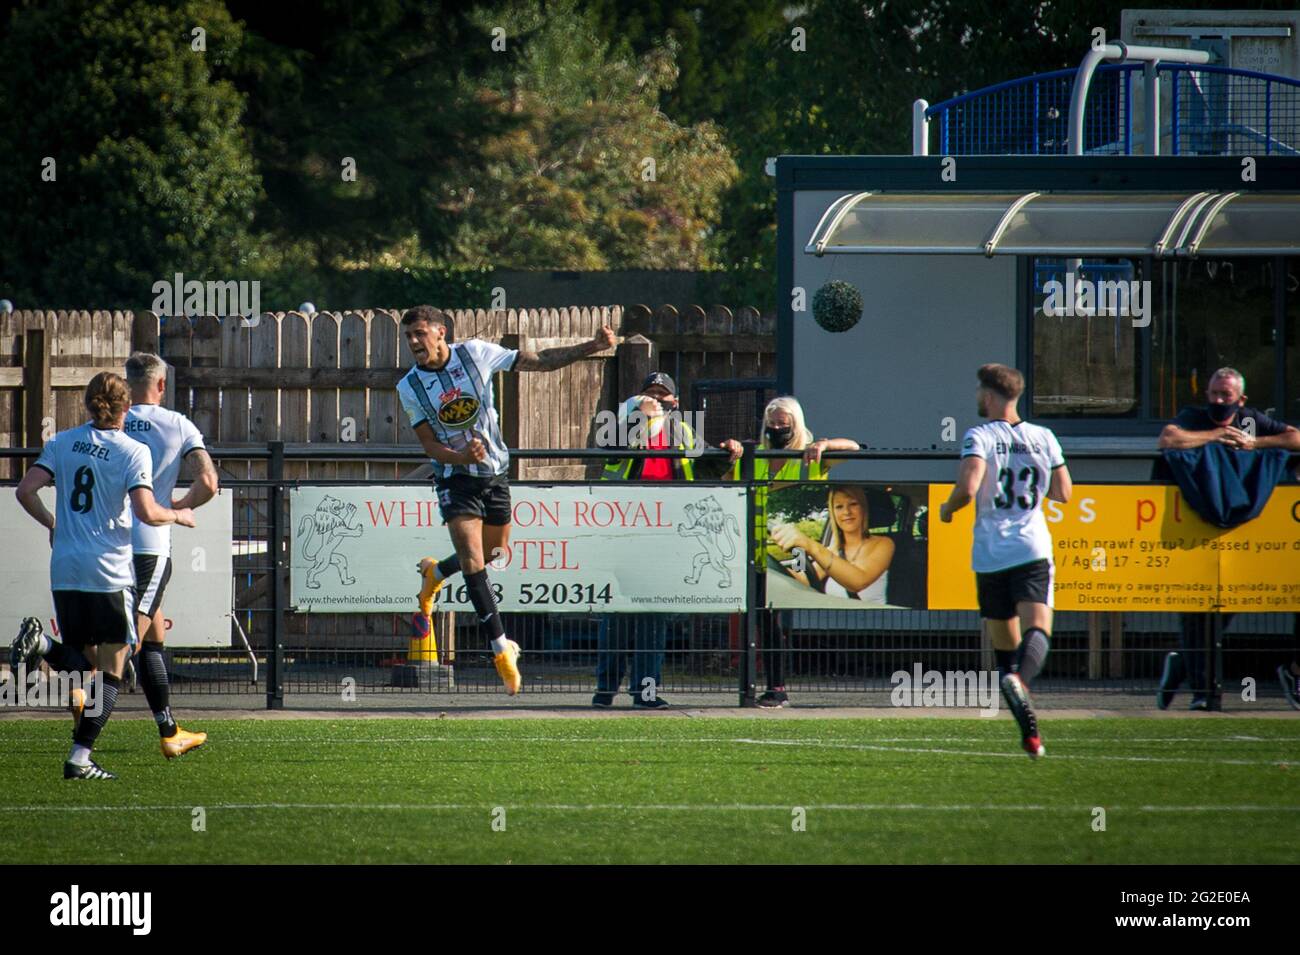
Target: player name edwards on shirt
1010,528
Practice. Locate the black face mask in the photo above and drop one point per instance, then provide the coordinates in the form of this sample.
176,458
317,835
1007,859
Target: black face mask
1221,414
778,437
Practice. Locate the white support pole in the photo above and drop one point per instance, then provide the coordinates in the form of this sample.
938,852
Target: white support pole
1118,52
920,129
1151,88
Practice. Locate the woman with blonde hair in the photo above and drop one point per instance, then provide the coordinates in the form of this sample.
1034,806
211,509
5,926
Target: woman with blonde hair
848,561
784,429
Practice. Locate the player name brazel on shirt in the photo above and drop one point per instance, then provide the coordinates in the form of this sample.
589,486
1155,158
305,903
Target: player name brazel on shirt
77,908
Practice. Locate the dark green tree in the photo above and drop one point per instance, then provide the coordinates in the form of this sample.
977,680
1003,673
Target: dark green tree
124,158
391,85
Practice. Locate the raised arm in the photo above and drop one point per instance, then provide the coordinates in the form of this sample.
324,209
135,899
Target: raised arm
203,480
549,359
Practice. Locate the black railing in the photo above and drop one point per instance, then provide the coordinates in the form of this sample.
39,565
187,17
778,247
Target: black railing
830,653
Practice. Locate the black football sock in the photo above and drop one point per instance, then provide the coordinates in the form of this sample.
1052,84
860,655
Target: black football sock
102,697
157,689
66,659
485,604
1006,660
1033,653
448,566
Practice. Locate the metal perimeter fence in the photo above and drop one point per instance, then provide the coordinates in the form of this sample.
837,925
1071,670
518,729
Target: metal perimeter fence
842,657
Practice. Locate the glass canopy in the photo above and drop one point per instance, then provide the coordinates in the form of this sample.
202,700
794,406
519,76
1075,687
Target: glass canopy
1080,224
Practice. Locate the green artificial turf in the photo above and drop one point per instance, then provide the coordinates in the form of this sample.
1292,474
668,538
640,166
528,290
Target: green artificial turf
660,790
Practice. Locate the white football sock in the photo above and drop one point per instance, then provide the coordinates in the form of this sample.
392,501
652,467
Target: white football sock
80,755
499,645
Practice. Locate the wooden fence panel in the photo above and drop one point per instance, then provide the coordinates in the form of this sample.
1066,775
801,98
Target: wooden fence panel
295,352
205,352
11,392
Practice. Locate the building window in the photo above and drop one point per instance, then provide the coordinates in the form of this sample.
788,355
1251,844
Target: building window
1143,359
1215,313
1085,346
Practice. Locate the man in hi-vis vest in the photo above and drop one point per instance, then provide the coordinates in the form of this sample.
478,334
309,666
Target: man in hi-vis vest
652,425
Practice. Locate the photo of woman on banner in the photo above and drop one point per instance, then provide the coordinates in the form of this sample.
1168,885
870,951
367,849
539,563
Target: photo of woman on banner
847,561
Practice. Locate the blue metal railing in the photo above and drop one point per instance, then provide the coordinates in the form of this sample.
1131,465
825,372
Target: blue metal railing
1206,110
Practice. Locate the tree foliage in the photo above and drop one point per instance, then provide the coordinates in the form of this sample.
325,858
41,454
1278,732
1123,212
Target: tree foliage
152,171
594,176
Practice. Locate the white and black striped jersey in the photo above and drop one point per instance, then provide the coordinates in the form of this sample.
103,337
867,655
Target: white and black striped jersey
94,471
169,436
457,402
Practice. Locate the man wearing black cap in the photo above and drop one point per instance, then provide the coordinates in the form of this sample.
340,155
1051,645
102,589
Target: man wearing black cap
656,423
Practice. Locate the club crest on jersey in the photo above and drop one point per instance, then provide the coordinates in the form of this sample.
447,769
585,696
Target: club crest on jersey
457,409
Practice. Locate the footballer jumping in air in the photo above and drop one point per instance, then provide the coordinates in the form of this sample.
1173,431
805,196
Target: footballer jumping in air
101,477
1008,466
448,397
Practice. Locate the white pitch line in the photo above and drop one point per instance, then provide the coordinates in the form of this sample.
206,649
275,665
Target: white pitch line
821,744
650,807
811,743
1201,761
728,739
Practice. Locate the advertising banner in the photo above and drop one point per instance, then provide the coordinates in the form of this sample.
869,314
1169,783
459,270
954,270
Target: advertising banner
196,604
652,549
1140,547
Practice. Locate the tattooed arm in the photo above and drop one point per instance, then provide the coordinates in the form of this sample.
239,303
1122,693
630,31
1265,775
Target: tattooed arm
203,480
552,358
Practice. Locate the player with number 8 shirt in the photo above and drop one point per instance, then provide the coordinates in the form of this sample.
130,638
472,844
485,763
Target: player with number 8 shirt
1008,467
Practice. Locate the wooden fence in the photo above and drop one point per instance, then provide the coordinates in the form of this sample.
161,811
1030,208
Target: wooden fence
329,378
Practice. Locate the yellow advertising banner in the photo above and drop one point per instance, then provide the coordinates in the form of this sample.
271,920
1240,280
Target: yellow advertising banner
1139,547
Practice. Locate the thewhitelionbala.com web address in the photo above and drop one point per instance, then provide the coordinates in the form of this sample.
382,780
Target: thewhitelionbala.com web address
1202,922
679,599
357,599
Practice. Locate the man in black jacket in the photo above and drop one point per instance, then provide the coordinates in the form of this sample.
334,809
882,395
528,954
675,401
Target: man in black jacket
1228,420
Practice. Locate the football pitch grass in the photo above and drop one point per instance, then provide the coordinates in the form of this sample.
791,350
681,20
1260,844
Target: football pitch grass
654,790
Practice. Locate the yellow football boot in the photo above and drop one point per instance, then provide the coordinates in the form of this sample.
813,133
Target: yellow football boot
428,566
182,742
507,662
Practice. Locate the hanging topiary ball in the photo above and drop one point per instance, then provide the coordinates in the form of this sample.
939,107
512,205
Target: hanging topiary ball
837,306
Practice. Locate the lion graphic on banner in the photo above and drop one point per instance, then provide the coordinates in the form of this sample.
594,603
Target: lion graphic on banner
717,533
321,534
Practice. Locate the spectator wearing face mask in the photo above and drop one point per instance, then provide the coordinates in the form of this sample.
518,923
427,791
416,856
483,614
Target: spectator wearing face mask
1226,420
653,425
783,429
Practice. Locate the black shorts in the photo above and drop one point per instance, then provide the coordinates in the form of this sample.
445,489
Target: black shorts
152,571
484,497
89,619
1000,591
